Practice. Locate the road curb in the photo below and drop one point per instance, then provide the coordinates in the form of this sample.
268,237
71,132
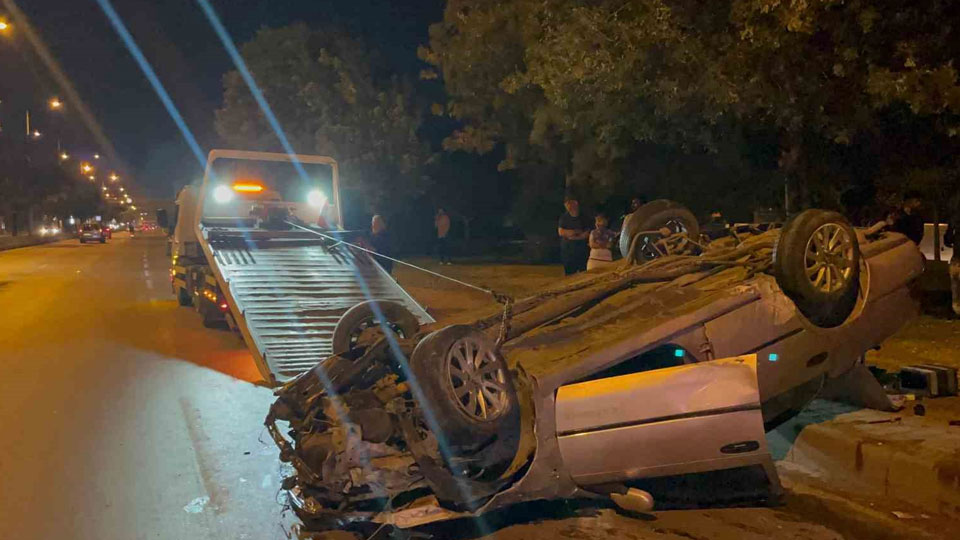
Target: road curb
911,459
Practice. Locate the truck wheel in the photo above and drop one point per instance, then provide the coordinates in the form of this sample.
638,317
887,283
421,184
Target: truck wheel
466,385
360,321
651,217
817,264
183,297
209,316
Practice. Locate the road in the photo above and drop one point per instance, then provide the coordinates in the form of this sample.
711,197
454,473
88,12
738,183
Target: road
123,418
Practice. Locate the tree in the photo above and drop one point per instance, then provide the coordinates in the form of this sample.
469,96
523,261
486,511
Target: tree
587,83
332,96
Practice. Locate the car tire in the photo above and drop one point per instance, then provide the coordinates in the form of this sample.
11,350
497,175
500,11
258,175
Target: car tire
183,297
82,241
817,264
471,411
103,240
653,216
363,315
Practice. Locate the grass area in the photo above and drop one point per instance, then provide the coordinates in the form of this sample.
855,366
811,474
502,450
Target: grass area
445,299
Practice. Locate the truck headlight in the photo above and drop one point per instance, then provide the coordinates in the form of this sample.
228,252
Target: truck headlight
316,198
222,194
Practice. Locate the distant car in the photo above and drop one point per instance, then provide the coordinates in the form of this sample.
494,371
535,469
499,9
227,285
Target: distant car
92,233
107,232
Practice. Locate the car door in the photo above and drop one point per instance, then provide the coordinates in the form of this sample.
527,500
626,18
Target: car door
678,420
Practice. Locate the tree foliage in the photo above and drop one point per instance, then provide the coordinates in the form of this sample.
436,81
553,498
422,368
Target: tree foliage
585,84
332,96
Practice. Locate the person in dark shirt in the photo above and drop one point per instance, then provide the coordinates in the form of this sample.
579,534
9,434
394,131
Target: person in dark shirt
716,227
573,229
635,204
380,242
950,240
906,219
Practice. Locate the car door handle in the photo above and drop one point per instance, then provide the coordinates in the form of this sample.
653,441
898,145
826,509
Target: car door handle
740,447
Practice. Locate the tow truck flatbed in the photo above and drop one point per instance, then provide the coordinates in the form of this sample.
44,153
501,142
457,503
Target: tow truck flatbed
286,289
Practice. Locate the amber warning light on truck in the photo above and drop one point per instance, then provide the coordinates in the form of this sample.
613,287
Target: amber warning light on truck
248,187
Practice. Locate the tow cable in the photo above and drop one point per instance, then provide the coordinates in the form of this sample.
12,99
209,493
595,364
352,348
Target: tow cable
501,298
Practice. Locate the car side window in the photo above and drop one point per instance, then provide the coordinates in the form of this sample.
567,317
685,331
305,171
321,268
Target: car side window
661,357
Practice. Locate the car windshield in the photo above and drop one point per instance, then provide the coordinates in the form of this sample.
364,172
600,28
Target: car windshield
91,227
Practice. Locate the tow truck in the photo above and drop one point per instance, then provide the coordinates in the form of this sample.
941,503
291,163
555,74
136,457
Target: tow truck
259,245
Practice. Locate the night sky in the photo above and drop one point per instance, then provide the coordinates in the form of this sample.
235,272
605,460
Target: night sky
187,56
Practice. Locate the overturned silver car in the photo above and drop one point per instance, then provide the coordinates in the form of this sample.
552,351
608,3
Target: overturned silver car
674,363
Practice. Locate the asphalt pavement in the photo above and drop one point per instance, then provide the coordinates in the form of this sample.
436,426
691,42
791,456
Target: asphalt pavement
121,417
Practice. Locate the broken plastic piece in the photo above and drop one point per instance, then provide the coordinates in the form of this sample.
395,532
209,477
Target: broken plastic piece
634,500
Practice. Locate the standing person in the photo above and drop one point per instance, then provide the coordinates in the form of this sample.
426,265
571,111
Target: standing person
573,230
716,226
635,204
442,223
601,240
906,219
380,242
950,240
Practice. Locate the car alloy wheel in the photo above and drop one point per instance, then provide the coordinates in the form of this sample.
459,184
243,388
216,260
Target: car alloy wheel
829,258
477,379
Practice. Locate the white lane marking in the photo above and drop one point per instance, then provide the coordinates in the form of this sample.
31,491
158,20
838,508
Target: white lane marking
146,272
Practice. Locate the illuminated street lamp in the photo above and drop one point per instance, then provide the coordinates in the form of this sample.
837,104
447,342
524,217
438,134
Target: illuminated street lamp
85,167
64,156
96,156
92,177
36,134
4,26
121,188
129,200
56,104
114,177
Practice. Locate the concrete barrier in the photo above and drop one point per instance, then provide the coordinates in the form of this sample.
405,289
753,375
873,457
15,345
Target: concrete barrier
893,455
14,242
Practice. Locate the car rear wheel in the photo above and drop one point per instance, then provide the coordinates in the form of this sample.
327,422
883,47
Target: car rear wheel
360,325
653,216
817,264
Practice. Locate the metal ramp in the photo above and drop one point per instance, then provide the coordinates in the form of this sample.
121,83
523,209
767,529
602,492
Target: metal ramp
288,289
